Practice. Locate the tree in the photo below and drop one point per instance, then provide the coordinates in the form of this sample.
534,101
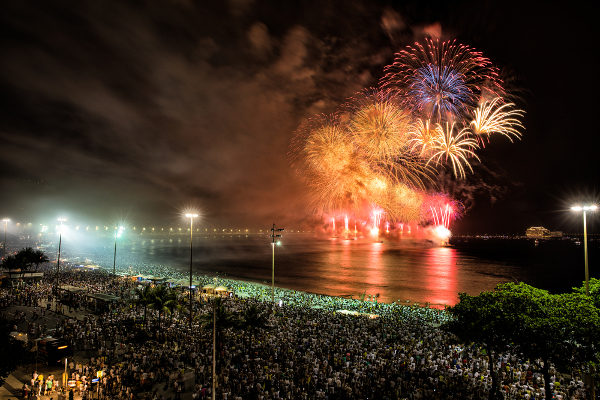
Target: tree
566,333
253,317
161,300
10,262
225,318
144,298
28,257
486,319
24,257
38,257
594,290
560,329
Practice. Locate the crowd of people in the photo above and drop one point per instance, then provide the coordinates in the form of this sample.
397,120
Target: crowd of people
304,348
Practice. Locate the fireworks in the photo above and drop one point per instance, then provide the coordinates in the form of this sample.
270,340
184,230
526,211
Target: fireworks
437,103
380,130
456,148
442,214
421,137
441,80
495,117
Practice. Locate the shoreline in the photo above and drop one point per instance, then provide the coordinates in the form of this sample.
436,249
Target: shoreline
266,285
262,291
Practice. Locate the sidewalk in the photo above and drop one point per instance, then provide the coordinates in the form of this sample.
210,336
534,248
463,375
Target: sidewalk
12,388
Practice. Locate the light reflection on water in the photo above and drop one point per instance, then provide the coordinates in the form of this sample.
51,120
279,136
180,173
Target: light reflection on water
441,280
340,267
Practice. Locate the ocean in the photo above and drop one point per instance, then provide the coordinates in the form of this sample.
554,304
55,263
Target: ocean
390,270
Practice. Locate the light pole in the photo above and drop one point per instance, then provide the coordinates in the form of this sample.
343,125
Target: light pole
6,221
191,216
214,352
584,209
118,234
61,220
274,235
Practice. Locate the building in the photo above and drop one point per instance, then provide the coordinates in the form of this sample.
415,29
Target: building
539,232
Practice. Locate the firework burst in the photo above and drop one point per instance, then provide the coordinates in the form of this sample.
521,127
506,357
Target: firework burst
379,126
497,117
375,158
422,137
454,148
441,80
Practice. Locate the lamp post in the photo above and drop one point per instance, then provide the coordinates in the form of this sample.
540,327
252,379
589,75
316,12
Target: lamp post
274,235
61,220
191,216
6,221
214,352
118,234
584,209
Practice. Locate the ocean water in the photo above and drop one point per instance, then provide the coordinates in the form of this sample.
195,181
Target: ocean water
394,270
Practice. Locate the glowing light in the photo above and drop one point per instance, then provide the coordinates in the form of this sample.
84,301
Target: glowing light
442,232
119,232
587,207
376,218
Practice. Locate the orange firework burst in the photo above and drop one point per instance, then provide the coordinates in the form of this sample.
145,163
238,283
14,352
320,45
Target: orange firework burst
335,171
455,148
328,149
422,137
497,117
380,129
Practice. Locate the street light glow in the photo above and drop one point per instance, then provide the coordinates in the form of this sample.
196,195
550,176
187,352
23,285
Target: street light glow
5,220
587,207
119,232
191,215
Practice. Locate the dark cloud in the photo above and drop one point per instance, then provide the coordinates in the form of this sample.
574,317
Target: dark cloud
119,107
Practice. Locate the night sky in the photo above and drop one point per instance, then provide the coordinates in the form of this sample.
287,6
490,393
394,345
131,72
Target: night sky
139,109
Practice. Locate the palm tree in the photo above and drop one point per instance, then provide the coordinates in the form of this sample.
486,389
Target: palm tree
10,262
178,304
28,257
254,317
163,299
144,298
224,318
38,257
24,257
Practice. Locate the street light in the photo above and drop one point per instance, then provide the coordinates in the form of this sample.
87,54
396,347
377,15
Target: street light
274,235
191,216
61,220
6,221
118,234
584,209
